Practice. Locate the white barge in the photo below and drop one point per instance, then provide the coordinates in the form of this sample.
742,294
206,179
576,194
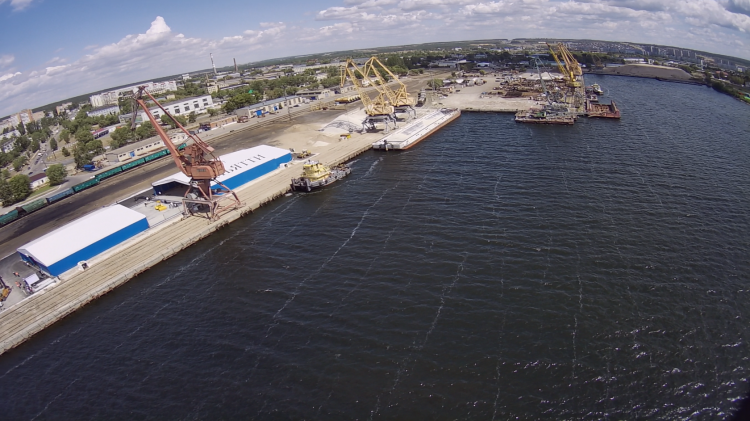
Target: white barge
416,131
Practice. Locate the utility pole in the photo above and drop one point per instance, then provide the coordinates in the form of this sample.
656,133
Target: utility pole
288,105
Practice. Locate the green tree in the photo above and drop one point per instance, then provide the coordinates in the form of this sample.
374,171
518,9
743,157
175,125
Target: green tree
166,120
34,146
65,151
6,194
65,135
126,105
81,156
21,128
192,117
56,174
20,185
38,136
83,135
213,112
120,137
5,174
95,147
145,130
53,144
19,162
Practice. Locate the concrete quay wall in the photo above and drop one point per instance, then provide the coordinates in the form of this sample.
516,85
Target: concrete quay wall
30,316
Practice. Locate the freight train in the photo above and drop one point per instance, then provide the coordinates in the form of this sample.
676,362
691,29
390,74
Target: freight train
34,206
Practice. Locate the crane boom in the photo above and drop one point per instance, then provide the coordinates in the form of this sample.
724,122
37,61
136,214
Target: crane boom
399,97
377,107
196,161
565,69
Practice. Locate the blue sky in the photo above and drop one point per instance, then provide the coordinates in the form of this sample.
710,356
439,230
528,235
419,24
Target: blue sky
53,49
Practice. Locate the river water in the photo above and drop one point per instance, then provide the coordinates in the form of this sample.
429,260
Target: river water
494,271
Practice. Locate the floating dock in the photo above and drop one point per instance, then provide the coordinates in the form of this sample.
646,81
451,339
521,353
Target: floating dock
417,130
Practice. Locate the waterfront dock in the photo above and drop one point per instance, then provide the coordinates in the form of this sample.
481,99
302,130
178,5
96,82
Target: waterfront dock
76,289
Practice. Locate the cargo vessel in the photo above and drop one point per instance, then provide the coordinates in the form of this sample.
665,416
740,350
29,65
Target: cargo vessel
316,175
417,130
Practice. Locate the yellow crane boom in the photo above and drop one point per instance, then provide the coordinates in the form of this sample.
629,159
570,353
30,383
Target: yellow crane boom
566,69
570,61
399,97
377,107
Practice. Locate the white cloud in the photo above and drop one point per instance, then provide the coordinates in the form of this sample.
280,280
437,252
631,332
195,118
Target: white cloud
8,76
18,4
6,60
721,26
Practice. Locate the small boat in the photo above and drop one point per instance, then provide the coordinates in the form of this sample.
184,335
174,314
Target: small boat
597,89
316,175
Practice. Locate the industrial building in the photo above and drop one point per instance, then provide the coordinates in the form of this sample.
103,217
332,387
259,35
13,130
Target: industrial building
315,94
144,147
268,106
82,239
242,167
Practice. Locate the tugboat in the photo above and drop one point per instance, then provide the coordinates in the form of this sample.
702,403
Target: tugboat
316,175
597,89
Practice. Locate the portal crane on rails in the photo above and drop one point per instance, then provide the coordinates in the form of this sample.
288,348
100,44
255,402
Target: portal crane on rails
400,98
378,110
197,162
566,70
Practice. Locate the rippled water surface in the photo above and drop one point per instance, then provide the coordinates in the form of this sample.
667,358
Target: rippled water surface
497,270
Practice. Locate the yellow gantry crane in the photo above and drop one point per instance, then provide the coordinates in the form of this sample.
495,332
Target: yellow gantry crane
400,99
378,110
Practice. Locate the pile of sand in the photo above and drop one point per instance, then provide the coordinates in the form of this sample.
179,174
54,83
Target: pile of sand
647,70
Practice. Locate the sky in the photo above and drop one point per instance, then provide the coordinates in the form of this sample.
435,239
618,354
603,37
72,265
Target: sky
51,50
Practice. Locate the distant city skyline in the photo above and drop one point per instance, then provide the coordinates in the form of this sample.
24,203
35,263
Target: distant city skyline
57,50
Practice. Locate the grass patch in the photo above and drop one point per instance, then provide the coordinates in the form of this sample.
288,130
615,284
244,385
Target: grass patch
41,190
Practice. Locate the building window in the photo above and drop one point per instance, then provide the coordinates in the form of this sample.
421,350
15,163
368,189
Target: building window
187,107
176,110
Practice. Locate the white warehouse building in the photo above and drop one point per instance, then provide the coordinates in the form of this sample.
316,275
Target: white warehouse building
84,238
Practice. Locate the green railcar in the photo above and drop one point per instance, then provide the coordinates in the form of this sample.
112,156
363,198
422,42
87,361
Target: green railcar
108,173
86,184
35,205
135,163
9,217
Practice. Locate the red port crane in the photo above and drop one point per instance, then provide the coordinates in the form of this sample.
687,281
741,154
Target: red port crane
196,161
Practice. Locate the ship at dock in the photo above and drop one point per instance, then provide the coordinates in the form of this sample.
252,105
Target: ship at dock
549,114
417,130
316,175
597,110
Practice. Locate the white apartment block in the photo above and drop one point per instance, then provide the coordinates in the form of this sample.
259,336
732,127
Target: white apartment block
111,97
184,106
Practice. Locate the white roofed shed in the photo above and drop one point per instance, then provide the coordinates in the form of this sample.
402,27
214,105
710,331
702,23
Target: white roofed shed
242,167
84,238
